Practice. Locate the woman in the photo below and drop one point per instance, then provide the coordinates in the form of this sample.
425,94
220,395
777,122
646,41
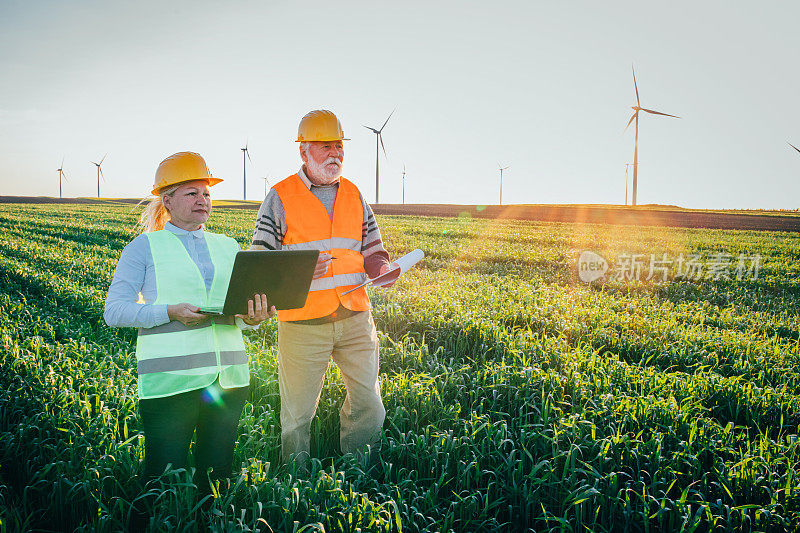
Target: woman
193,371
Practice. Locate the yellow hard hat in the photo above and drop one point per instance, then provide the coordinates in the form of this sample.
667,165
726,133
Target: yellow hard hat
320,125
181,167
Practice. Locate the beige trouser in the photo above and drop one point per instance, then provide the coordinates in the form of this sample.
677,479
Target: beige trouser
303,355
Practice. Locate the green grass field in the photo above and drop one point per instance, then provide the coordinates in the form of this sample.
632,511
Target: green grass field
518,398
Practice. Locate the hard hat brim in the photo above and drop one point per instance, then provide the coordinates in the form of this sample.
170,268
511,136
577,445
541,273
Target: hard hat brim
211,183
321,140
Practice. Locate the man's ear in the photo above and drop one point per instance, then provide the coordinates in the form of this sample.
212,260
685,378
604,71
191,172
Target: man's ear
303,155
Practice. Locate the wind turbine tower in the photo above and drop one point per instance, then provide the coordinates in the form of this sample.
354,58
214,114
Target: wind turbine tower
266,182
404,183
99,173
635,117
246,152
626,182
61,174
379,139
501,168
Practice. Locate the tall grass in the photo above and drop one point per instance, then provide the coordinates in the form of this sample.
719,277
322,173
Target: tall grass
517,397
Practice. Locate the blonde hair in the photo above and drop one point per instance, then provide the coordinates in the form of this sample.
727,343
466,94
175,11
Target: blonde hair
155,215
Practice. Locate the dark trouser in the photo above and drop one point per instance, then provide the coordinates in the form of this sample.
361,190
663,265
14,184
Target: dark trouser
170,422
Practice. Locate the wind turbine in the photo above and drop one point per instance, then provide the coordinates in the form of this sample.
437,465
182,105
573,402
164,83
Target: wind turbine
61,174
626,182
379,139
635,116
404,183
245,151
266,181
795,147
99,173
501,168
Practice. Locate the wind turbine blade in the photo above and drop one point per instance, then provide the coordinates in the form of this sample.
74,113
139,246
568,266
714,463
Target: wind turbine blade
635,87
101,161
795,147
660,113
387,118
373,130
101,174
62,162
382,146
248,154
629,122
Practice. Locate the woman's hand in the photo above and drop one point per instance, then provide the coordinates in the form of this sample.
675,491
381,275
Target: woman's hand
259,311
187,314
323,262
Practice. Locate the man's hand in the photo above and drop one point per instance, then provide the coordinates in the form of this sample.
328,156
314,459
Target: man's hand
259,311
187,314
323,262
386,268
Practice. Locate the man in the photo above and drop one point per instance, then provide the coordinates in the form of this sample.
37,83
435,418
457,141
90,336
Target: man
318,209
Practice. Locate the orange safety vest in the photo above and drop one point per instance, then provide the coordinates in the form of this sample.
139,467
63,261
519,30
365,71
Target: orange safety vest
309,227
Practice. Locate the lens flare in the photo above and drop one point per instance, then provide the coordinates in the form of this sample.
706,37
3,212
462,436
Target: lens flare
212,395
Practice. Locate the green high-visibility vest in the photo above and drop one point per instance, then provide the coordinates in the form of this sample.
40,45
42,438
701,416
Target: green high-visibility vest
174,358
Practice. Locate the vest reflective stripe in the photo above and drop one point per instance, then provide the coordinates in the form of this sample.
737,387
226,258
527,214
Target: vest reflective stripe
174,358
177,363
310,227
175,325
326,245
235,357
339,280
186,362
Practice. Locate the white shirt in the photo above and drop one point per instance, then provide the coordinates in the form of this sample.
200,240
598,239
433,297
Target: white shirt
135,274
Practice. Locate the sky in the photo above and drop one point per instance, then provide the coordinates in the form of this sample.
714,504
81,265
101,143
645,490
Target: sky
544,88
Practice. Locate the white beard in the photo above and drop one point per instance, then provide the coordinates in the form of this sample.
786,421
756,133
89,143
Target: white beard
324,174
